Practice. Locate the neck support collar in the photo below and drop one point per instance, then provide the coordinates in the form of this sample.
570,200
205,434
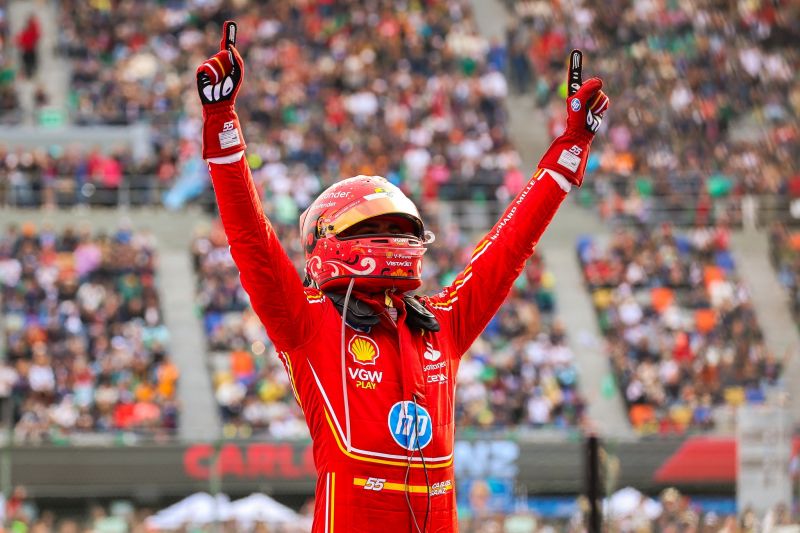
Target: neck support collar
362,316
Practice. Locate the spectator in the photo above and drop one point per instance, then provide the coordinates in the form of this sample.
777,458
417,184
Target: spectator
28,43
8,95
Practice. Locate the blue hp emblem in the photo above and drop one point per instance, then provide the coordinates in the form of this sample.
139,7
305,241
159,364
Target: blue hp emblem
410,425
575,104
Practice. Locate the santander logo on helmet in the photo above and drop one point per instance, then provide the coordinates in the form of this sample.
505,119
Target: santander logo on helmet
375,261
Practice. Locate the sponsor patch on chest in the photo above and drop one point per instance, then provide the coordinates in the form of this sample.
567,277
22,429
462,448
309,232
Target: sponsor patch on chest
365,379
430,353
436,370
410,425
363,349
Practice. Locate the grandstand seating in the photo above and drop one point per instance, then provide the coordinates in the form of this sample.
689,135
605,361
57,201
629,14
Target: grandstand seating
702,136
449,140
681,332
425,106
324,99
432,87
86,347
723,75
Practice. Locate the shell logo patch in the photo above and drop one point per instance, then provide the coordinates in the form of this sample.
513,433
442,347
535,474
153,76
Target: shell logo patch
363,349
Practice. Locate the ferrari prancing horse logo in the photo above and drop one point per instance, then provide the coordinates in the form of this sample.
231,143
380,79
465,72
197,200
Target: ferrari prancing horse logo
363,349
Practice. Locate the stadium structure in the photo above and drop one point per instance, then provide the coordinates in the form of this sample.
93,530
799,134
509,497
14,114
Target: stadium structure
659,314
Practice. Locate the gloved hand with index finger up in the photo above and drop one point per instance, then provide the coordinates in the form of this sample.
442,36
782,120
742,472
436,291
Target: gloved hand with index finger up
586,105
219,79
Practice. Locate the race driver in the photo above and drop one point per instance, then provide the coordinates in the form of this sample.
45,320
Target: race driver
372,365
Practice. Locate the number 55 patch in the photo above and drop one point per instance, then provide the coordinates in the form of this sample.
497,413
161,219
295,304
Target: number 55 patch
229,136
377,484
374,483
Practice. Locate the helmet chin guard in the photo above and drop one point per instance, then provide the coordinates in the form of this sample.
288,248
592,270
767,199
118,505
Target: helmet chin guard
375,262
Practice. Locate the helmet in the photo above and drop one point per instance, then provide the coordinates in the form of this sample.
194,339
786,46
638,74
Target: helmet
375,262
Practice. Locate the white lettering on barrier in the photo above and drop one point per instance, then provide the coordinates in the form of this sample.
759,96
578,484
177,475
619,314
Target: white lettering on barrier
482,459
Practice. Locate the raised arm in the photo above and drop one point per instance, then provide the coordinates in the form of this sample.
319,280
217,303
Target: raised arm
473,298
266,272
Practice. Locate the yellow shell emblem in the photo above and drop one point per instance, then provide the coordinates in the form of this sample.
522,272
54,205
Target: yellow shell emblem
363,349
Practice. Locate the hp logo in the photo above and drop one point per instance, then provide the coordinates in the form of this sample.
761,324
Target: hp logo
404,430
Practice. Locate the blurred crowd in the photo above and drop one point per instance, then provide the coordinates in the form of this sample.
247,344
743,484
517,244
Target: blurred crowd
627,511
85,343
681,331
520,372
21,513
409,91
75,176
705,98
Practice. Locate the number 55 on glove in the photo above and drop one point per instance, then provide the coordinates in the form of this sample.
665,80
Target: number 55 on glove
586,105
219,79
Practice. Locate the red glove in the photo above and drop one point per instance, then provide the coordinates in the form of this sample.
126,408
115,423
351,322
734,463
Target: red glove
585,107
219,79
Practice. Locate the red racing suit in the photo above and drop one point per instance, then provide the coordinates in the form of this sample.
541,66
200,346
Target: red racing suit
366,395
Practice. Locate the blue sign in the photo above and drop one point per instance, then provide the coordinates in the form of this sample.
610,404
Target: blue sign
410,425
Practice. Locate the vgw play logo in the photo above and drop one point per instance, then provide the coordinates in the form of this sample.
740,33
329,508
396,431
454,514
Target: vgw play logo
410,425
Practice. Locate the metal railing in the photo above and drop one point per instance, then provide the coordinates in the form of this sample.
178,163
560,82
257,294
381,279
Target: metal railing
471,215
66,192
737,211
